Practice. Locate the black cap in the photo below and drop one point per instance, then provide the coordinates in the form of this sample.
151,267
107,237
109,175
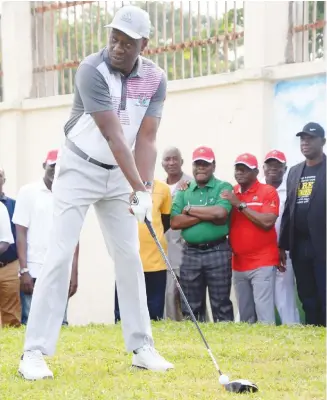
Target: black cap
312,129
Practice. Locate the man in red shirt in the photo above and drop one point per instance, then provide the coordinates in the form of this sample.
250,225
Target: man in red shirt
253,240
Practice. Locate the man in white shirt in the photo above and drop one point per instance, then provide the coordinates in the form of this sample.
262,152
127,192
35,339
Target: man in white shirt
275,175
6,239
33,218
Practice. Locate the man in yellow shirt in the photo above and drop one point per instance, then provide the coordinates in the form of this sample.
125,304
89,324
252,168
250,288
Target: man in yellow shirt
155,270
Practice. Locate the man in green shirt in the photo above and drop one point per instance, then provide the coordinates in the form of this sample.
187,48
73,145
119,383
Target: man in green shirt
203,218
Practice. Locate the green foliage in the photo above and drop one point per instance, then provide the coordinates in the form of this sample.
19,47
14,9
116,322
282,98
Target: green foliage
319,53
86,35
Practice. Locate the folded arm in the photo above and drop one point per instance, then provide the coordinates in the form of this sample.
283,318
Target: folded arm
183,221
179,219
218,213
215,214
265,221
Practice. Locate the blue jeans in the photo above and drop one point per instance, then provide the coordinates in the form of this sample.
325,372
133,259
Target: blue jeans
26,300
155,283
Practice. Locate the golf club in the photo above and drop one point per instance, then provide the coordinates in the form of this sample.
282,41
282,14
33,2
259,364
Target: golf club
236,386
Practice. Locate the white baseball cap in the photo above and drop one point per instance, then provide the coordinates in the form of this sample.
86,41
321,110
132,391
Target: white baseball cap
133,21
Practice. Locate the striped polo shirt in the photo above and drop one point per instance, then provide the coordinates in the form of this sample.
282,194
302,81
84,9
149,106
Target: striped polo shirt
98,87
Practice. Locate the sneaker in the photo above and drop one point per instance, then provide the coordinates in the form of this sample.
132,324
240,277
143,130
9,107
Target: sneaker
32,366
147,357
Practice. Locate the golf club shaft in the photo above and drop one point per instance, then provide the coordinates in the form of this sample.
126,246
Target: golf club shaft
153,234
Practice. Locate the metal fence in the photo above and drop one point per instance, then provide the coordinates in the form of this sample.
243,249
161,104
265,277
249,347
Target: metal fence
307,31
189,39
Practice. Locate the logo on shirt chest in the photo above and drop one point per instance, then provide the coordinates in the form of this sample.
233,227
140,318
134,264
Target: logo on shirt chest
142,101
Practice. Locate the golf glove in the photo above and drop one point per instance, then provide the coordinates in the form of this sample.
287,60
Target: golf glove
141,205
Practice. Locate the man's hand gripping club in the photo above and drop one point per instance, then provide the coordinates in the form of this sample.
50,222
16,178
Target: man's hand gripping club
141,205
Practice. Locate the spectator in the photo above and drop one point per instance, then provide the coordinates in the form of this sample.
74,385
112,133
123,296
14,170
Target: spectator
155,270
33,218
285,300
254,242
303,228
9,283
203,217
172,163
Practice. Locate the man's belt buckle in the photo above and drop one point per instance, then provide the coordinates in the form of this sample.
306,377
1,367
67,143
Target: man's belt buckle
205,246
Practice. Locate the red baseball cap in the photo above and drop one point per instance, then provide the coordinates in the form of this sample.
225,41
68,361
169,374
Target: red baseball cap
51,157
276,155
203,153
247,159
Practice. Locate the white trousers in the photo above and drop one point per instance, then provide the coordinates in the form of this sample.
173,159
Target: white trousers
285,300
77,185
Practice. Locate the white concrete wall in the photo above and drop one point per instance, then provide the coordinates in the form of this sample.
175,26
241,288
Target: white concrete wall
233,113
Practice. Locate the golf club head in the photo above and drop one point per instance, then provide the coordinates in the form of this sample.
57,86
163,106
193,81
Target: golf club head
241,386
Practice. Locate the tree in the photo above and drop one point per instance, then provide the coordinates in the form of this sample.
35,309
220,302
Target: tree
82,36
319,53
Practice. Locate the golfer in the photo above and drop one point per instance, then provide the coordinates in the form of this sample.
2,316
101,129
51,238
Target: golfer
118,102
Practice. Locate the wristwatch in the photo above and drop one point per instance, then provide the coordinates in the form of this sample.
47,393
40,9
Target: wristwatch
242,206
148,186
23,271
188,209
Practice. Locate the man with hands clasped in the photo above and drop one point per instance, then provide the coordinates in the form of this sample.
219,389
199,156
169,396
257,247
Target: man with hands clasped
253,240
203,218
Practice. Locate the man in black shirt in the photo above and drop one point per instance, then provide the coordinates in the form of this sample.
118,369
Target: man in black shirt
303,227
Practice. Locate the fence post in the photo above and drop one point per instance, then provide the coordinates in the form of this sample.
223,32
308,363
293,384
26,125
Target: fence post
17,62
301,39
266,29
44,48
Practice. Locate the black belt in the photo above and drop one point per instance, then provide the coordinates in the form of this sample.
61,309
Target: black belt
206,246
72,146
4,263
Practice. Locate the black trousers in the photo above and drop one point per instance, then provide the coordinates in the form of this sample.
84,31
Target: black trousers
310,273
155,283
212,269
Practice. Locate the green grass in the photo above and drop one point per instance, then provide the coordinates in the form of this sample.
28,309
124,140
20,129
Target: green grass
91,363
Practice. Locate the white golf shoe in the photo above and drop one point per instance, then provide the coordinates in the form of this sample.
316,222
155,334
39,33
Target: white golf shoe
33,367
147,357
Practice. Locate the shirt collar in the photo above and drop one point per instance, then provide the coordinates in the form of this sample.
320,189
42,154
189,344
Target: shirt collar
3,197
251,189
210,184
44,187
282,187
137,70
